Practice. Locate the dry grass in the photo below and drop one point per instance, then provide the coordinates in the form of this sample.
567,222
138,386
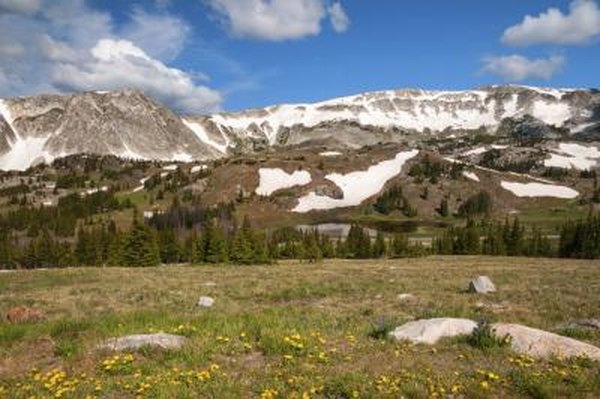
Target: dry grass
340,300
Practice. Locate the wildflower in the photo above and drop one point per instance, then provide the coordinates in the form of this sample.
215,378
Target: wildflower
484,385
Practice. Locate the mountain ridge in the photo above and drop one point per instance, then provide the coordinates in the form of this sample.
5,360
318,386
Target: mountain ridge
128,123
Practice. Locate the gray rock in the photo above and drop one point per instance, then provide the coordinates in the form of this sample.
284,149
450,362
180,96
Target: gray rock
206,302
406,297
482,285
329,191
543,344
135,342
429,331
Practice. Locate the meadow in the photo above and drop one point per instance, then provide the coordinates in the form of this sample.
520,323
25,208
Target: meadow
294,330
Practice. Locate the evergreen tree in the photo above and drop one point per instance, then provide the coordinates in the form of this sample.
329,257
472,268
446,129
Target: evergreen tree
170,249
379,246
140,246
215,246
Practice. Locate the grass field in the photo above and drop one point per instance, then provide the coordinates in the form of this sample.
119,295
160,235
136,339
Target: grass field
293,330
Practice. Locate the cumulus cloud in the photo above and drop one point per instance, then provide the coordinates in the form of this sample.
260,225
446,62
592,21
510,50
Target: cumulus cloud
159,35
339,18
66,45
278,20
116,64
580,25
514,68
20,6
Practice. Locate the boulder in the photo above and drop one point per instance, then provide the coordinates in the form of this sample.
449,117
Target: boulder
429,331
543,344
23,314
135,342
482,285
331,191
206,302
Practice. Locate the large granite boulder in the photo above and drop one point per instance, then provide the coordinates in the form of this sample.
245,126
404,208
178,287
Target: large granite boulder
543,344
429,331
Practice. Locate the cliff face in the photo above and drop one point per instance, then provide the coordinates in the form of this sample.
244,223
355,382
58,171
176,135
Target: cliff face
125,123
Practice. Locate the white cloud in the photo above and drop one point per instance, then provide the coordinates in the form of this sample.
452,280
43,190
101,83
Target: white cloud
160,35
278,20
515,68
118,64
67,46
580,25
20,6
339,18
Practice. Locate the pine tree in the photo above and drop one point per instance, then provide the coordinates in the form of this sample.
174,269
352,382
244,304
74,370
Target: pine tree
140,247
444,210
215,246
379,246
170,249
311,251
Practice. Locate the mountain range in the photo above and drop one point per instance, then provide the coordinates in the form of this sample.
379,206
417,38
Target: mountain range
129,124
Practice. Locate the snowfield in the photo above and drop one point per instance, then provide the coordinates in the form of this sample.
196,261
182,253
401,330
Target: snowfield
470,176
539,190
357,186
203,136
572,155
273,179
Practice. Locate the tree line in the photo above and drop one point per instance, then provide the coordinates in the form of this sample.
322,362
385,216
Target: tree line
199,236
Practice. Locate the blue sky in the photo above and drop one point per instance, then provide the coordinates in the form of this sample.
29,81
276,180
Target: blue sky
205,55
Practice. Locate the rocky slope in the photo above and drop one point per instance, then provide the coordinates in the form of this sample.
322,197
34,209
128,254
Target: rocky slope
128,124
124,123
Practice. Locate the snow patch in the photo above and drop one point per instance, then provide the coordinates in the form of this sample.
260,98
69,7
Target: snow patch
330,154
198,168
182,157
24,153
273,179
470,176
475,151
143,183
572,155
7,115
551,112
170,167
203,136
357,186
539,190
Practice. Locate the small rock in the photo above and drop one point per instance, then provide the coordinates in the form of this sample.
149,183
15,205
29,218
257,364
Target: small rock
429,331
482,285
23,314
135,342
543,344
406,297
206,302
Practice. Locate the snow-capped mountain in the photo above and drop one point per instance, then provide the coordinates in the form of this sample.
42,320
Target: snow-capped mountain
124,123
129,124
379,116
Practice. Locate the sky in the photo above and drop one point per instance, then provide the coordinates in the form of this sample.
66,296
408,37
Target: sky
201,56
